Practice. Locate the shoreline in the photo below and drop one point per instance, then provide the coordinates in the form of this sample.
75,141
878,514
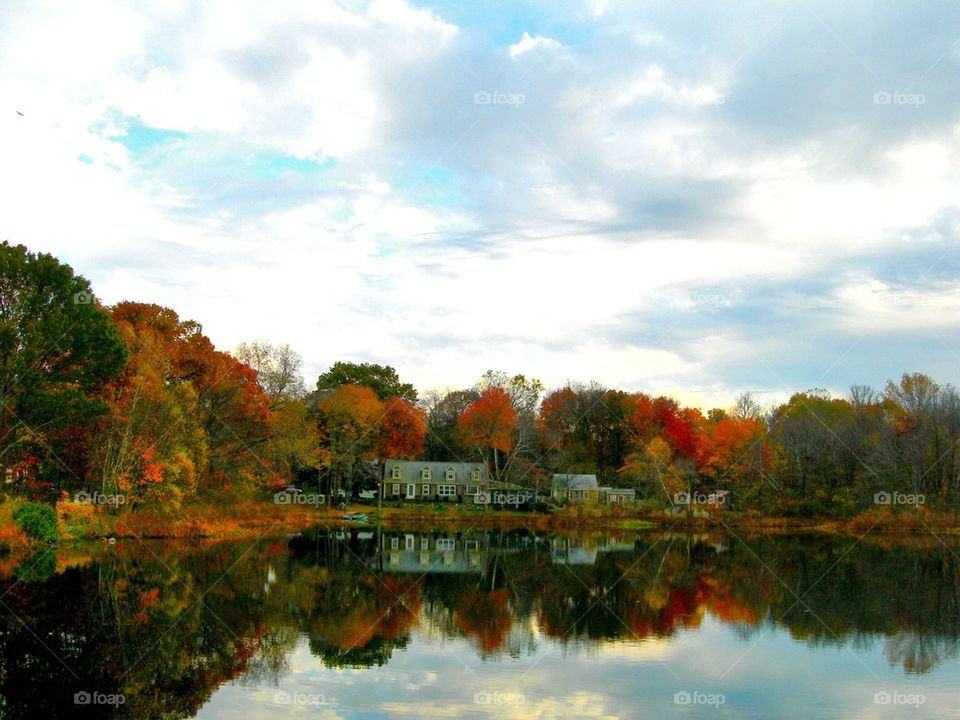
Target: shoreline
248,518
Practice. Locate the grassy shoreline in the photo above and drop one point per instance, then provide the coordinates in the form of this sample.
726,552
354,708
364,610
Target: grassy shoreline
252,518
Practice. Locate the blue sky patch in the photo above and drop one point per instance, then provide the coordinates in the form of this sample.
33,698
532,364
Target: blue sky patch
142,138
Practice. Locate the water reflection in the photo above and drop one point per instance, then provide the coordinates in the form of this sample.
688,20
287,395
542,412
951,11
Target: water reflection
164,626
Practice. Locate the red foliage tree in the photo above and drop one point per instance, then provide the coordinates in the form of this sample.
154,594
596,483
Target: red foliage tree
557,417
402,430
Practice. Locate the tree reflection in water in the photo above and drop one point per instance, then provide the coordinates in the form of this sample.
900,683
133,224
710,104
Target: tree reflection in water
166,624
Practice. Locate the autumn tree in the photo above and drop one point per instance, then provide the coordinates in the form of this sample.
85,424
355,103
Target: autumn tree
348,423
57,349
584,429
291,449
151,446
730,450
176,366
524,394
557,420
402,430
489,423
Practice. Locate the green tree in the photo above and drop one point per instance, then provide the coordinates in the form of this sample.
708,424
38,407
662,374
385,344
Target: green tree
382,379
57,348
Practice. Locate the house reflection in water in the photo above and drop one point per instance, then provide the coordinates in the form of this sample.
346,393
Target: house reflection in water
452,552
421,553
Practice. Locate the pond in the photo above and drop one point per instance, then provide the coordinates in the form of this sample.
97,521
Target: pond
478,623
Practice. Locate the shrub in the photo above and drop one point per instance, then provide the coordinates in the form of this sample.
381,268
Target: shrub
37,521
80,520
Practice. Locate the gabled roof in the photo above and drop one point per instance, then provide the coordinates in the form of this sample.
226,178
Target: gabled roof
437,468
567,481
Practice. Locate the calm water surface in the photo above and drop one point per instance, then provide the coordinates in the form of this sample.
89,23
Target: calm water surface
480,624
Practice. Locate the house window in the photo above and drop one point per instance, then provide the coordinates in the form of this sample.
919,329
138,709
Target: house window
396,473
451,475
424,543
408,542
475,474
446,490
472,489
446,544
394,543
396,488
426,474
426,490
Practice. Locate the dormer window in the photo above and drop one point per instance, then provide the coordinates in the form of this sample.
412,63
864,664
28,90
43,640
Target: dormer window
426,474
396,473
475,474
451,475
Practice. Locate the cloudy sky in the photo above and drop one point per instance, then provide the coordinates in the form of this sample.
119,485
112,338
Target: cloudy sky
696,198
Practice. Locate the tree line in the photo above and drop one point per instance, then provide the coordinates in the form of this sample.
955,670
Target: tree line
132,400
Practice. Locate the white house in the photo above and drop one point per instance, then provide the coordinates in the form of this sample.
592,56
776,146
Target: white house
433,481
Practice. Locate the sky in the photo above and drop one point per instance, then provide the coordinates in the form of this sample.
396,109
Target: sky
693,198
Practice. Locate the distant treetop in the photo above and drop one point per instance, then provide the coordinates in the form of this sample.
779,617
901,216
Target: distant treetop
382,379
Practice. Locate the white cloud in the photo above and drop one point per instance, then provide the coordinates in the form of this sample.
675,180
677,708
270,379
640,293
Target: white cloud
557,238
529,43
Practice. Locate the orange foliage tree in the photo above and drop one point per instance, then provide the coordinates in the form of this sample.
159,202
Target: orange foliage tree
348,423
489,423
728,448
